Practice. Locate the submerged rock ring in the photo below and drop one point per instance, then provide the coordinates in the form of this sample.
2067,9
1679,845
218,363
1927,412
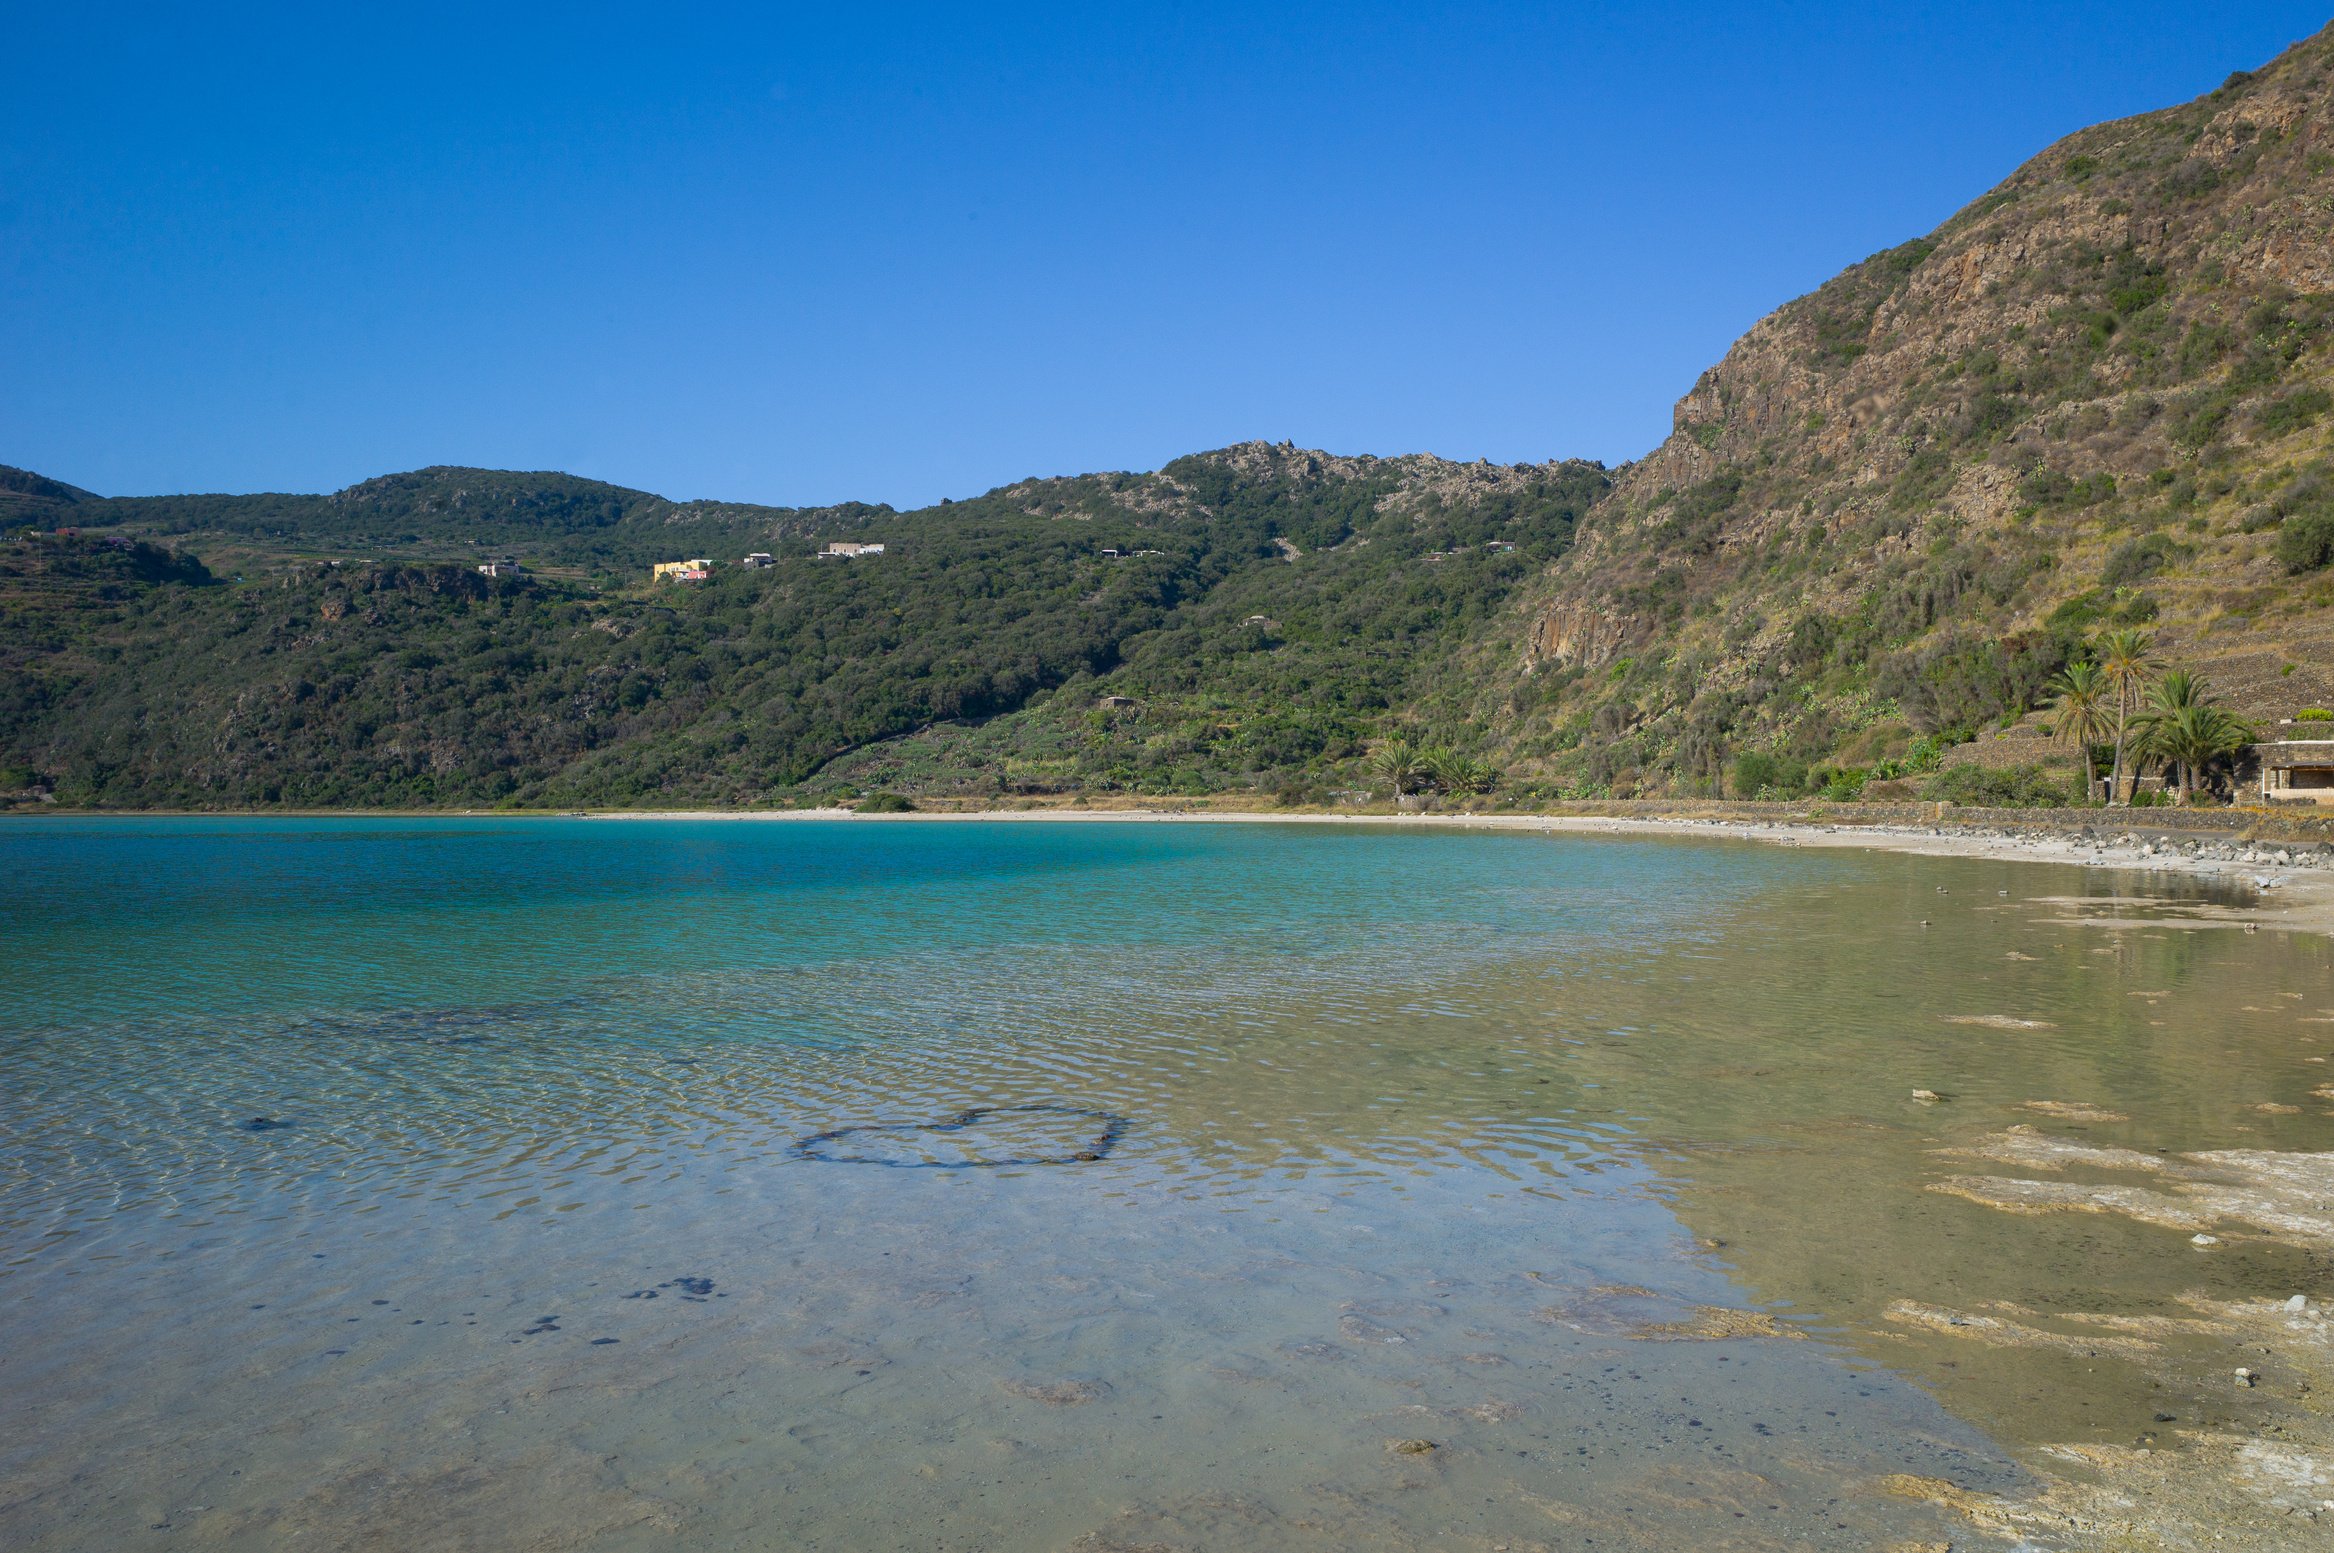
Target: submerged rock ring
1109,1128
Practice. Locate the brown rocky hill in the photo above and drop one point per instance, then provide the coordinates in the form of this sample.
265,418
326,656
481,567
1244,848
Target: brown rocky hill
2098,395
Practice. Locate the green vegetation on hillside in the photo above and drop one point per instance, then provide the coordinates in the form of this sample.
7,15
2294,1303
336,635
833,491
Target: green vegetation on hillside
1890,529
1266,613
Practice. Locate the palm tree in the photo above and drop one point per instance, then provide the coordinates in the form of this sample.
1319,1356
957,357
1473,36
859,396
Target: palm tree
2178,688
1463,774
2083,717
2155,731
2192,738
2184,729
1437,765
2127,660
1398,763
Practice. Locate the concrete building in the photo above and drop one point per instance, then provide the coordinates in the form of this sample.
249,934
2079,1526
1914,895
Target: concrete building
682,571
756,561
848,550
506,567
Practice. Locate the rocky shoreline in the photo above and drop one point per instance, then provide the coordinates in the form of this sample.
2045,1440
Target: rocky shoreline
2285,885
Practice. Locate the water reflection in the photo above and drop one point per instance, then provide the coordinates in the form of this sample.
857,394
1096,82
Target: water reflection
1778,1111
1444,1191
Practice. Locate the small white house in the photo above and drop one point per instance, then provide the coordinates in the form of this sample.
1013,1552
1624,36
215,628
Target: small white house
756,561
501,568
849,550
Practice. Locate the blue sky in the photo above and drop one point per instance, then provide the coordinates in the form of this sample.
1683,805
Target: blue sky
800,255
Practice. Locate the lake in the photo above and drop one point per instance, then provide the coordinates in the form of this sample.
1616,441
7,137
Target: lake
590,1183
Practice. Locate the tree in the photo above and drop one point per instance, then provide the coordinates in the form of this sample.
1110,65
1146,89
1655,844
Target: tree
1437,764
1399,764
1461,775
2084,718
2127,660
2185,729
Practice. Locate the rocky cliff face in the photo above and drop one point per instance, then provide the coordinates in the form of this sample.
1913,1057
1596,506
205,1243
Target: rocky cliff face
1578,635
2097,395
1409,484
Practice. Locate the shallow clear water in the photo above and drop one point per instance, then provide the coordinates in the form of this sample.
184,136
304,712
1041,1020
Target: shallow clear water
872,1186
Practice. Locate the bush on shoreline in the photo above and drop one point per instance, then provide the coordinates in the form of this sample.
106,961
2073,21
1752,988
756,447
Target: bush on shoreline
2014,787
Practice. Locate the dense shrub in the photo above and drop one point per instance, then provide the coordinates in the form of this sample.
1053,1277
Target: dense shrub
2202,415
2292,412
2014,787
2097,607
2136,560
1964,682
2047,487
2305,542
1759,774
1839,784
1928,476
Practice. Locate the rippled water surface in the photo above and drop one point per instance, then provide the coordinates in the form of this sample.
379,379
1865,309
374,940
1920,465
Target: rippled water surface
577,1183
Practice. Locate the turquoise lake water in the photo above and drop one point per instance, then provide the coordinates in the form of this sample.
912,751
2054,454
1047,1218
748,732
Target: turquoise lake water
584,1183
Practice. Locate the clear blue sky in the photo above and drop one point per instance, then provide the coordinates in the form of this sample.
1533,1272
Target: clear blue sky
803,254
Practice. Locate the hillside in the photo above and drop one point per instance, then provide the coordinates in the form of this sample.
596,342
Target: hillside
2098,395
27,498
457,514
1256,615
2102,395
